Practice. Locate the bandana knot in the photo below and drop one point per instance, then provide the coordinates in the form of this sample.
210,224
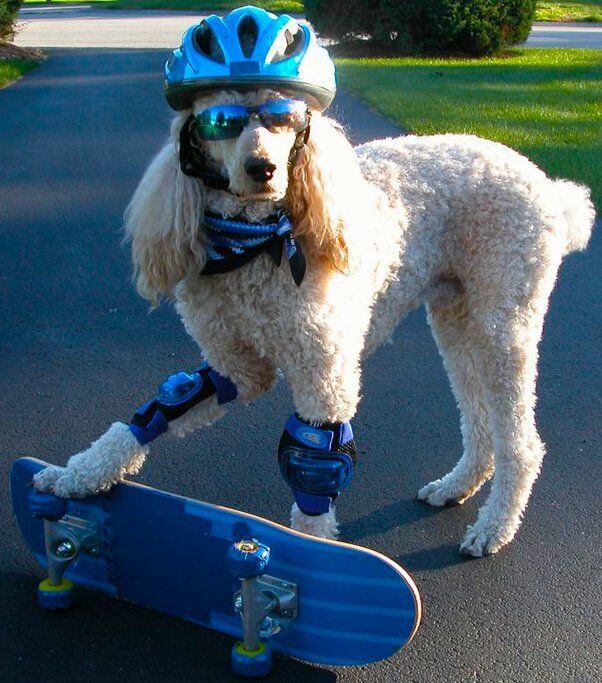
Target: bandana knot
231,243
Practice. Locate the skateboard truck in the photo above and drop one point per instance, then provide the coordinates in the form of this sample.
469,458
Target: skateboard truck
265,603
65,537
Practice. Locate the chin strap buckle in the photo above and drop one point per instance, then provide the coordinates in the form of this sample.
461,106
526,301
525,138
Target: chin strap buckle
317,462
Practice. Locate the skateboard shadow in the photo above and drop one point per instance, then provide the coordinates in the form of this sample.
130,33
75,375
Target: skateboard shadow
101,634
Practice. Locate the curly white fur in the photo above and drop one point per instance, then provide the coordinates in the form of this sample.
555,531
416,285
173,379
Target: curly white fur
103,464
324,526
467,226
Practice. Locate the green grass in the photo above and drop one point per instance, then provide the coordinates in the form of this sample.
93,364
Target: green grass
11,69
562,10
289,6
542,102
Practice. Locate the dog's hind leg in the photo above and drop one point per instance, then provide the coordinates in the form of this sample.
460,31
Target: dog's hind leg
507,349
449,324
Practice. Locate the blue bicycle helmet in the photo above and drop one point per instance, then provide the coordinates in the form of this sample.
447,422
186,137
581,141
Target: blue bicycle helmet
250,47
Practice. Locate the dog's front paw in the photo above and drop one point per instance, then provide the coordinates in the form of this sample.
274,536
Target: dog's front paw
62,482
68,485
45,479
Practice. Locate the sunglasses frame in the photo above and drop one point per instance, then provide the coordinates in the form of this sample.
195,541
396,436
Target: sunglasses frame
233,131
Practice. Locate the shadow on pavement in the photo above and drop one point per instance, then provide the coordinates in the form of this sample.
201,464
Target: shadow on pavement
392,516
400,514
430,559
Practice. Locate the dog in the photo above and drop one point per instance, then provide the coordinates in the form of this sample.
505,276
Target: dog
466,226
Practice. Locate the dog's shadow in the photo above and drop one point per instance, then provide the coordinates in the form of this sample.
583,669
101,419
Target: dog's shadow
404,512
432,559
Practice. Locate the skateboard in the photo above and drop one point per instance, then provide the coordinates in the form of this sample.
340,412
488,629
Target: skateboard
275,589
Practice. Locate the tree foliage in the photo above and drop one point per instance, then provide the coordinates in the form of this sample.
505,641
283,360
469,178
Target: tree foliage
473,27
8,16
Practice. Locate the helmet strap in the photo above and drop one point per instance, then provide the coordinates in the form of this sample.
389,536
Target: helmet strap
194,163
300,142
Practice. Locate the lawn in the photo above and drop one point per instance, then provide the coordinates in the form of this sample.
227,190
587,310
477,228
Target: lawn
290,6
11,69
569,11
542,102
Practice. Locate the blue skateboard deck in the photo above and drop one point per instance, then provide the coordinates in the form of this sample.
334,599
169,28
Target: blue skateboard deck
169,553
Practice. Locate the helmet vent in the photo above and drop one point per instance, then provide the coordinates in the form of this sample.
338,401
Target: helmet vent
207,43
289,44
247,35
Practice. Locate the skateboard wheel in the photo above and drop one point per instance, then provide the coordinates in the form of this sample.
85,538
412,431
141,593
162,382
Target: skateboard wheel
47,505
252,663
55,597
248,558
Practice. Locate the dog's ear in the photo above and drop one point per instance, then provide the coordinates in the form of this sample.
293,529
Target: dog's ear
321,179
162,222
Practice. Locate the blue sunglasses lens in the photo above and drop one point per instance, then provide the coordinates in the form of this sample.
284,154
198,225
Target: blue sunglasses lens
221,122
227,121
284,114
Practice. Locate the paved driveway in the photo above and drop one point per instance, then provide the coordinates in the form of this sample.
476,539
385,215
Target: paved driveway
78,350
84,26
552,34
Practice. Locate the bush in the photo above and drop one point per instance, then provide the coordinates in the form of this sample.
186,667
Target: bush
8,15
474,27
340,18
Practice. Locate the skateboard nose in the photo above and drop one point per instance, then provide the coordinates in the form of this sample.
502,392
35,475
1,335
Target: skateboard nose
46,505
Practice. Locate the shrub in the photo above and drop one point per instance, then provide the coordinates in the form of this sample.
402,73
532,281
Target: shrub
8,15
340,18
474,27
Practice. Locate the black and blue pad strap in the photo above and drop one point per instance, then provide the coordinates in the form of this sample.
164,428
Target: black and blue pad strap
317,462
175,397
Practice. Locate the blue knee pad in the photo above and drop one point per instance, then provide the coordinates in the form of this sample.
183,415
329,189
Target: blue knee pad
176,396
317,462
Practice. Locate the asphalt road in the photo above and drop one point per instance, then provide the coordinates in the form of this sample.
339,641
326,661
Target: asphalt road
86,26
554,34
78,350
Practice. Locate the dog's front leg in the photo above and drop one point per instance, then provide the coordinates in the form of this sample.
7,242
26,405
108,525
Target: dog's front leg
184,402
317,450
108,459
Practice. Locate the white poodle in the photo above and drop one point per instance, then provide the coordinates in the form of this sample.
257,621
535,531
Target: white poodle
466,226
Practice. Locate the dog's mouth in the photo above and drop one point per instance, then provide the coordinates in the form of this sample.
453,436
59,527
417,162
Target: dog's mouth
259,191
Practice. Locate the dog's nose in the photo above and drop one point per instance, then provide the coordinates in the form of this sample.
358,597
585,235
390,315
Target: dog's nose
260,169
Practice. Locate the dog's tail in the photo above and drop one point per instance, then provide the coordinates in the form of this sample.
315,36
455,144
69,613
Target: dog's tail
579,214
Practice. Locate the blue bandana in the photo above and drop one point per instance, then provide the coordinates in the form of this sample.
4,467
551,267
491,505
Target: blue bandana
233,243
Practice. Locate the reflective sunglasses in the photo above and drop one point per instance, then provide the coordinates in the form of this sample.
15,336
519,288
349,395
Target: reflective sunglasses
227,121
